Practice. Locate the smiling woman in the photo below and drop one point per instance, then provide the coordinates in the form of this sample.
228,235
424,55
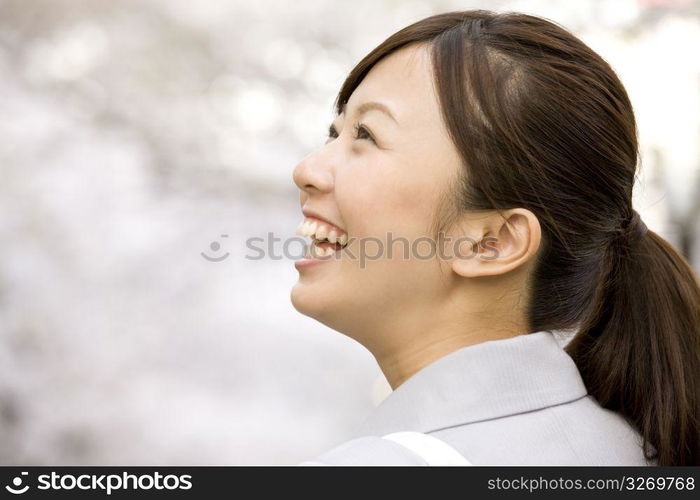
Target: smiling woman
507,136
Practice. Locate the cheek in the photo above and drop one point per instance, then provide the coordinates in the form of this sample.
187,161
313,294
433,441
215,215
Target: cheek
395,195
373,207
397,203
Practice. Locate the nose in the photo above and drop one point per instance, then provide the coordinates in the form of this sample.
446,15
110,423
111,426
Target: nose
313,174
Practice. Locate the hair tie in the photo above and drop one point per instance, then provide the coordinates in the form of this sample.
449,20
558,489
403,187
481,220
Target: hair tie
633,225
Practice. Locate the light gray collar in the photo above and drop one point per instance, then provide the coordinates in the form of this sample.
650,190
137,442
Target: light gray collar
480,382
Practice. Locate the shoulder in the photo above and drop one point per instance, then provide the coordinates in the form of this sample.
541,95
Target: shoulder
367,450
576,433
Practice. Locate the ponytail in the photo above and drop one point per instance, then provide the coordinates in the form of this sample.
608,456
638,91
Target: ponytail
639,350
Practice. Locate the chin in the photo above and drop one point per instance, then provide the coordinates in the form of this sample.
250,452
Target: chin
299,302
316,303
308,299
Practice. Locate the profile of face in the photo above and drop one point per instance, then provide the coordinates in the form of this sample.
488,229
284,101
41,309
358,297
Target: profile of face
384,172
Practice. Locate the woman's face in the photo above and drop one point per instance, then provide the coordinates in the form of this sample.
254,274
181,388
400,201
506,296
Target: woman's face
382,181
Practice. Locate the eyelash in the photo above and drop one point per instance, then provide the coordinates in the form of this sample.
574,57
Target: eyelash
358,127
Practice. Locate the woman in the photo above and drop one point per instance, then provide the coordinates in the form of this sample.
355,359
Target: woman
475,193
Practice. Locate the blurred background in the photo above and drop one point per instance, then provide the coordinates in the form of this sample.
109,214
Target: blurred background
137,135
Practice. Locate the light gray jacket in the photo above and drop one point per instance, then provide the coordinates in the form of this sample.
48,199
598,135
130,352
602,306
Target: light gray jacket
516,401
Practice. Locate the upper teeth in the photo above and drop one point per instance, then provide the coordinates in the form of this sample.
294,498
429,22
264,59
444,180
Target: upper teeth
320,231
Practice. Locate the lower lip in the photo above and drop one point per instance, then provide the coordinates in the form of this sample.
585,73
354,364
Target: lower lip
310,261
304,263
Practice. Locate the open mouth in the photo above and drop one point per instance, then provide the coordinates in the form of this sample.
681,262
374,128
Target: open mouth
326,239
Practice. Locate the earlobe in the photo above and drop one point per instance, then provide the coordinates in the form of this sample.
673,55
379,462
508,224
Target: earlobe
507,242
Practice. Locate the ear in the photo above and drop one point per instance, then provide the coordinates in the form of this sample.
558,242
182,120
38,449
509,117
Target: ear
502,244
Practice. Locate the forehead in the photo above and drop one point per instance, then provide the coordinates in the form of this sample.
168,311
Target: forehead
402,80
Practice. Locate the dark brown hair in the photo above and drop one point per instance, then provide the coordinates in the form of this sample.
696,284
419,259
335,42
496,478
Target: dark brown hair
542,122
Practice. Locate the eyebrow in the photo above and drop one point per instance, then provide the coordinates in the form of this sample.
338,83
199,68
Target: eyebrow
370,105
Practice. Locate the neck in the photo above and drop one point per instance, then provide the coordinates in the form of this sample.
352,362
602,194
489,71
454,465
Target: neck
416,336
417,351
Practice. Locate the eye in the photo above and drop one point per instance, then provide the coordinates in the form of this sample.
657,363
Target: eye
359,129
332,133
